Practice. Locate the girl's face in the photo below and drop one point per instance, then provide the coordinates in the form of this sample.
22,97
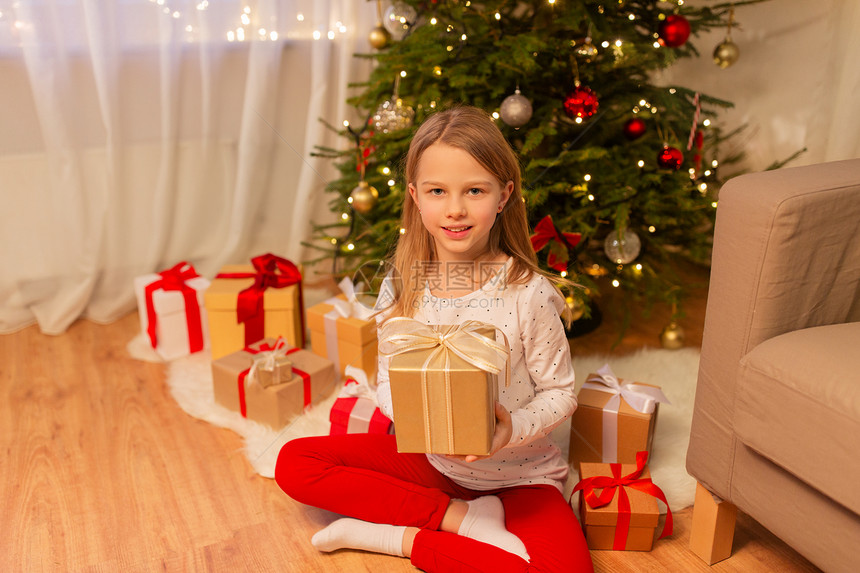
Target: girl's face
458,200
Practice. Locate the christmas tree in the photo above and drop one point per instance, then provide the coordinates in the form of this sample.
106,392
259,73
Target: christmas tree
619,174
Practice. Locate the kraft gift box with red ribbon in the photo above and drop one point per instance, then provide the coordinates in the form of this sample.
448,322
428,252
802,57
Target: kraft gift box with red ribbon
343,331
618,506
444,384
247,303
355,410
236,386
613,420
172,313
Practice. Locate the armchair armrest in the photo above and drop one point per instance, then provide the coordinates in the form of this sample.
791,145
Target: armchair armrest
786,257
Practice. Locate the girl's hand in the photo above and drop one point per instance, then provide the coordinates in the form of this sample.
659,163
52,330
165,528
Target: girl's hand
501,437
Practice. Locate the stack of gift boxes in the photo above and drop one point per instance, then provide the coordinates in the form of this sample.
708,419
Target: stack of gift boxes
253,319
611,433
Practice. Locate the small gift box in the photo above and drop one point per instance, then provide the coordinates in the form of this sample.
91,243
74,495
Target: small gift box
272,367
618,506
235,388
355,410
444,385
171,309
247,303
343,331
613,420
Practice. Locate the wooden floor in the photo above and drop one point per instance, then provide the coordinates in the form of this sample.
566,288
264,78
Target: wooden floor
102,471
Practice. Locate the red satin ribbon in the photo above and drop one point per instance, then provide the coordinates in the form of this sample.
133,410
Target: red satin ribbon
306,378
174,279
609,485
270,271
545,232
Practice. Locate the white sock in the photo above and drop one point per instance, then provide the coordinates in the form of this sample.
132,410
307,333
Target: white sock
348,533
485,521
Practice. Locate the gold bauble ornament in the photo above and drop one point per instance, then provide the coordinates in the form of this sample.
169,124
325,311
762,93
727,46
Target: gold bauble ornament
576,308
585,49
672,336
726,53
379,37
363,198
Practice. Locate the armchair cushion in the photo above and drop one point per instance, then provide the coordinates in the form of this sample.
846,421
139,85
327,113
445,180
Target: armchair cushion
798,404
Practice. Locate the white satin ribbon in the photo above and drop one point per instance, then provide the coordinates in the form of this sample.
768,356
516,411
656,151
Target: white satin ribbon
400,335
267,360
365,406
641,398
351,307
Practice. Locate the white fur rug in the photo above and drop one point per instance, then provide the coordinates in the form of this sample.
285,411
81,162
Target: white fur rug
190,382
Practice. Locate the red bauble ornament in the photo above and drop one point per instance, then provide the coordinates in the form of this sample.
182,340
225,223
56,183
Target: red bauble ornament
670,158
634,128
581,102
674,30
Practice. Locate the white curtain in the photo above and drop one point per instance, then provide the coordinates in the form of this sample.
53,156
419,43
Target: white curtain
139,133
795,85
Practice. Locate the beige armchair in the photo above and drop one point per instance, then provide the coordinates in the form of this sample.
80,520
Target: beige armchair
776,423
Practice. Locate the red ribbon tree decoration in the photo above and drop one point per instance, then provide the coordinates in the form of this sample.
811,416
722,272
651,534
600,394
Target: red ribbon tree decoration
560,243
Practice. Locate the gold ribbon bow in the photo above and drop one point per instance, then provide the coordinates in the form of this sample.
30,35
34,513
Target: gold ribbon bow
400,335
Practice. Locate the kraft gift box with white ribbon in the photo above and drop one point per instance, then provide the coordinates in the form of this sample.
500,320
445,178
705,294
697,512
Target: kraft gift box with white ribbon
444,384
343,331
614,419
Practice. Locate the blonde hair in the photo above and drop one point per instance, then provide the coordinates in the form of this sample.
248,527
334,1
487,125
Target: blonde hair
472,130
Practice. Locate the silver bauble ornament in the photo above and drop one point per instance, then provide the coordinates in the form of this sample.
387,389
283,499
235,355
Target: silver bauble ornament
672,336
726,53
398,18
622,249
393,115
516,109
363,197
379,37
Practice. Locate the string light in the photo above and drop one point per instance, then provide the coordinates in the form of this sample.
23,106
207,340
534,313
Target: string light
350,247
563,274
652,229
391,182
616,283
402,231
587,177
640,163
345,216
498,16
386,170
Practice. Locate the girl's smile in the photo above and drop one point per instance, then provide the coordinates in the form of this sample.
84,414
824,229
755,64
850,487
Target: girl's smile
458,200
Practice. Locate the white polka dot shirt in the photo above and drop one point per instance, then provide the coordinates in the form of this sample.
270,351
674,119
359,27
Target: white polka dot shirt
541,392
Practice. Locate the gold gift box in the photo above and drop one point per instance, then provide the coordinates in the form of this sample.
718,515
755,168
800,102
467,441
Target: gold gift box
356,338
276,405
283,313
467,429
281,372
599,524
635,429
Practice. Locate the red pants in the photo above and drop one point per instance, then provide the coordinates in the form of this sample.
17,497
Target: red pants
363,476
